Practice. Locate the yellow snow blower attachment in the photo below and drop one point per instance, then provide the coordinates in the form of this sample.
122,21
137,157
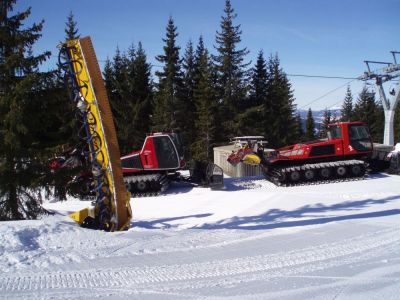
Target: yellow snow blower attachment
251,159
111,210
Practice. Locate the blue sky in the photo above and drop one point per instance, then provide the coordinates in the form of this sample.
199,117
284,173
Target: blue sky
311,37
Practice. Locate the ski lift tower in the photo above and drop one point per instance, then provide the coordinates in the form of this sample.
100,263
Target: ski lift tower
388,73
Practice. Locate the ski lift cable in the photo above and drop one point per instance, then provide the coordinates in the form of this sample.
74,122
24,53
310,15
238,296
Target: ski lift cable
328,93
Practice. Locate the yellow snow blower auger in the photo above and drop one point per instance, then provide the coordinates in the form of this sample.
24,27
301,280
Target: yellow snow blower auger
111,209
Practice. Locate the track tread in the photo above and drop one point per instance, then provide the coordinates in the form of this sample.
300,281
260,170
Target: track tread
281,176
155,184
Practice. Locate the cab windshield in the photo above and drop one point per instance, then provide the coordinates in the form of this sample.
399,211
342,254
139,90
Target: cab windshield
360,138
176,138
334,132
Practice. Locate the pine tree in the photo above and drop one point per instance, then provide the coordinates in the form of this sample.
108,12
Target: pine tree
325,123
347,107
252,120
142,90
280,123
206,121
167,110
26,105
367,110
310,126
230,69
189,107
259,82
71,31
299,128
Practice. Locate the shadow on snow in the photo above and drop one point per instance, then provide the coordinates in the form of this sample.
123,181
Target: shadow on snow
278,218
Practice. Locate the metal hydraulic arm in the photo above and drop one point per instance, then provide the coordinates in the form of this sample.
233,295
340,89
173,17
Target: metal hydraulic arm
111,210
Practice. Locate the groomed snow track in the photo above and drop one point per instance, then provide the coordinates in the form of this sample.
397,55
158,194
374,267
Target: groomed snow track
170,279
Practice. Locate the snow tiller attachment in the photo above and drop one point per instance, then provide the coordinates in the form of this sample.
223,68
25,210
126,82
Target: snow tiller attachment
111,209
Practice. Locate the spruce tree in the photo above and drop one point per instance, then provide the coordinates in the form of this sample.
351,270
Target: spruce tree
259,82
206,121
299,129
325,123
310,126
231,70
71,31
121,99
367,110
189,107
168,114
347,107
27,102
280,122
142,91
253,120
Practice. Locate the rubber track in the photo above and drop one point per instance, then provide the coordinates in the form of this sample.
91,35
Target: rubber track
284,172
155,184
296,261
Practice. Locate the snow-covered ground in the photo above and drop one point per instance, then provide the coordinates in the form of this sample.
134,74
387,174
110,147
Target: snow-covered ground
252,240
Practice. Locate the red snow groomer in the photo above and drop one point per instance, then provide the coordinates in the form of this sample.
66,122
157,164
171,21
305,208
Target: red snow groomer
150,170
343,154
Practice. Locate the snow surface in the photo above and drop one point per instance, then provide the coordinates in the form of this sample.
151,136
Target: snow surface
251,240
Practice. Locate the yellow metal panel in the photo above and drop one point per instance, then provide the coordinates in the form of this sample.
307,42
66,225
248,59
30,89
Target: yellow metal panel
88,77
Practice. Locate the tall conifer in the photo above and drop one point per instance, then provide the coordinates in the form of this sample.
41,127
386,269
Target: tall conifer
325,122
167,109
142,91
189,107
280,124
26,120
367,110
206,121
253,120
231,69
310,126
71,30
347,107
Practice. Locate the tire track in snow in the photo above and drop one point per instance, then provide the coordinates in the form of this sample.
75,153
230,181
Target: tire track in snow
139,277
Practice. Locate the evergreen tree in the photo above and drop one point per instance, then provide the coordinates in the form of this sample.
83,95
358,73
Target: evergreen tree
168,114
28,128
367,110
299,128
189,82
259,82
206,121
230,69
280,123
252,120
310,126
347,107
142,90
129,87
121,98
325,123
108,78
71,31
